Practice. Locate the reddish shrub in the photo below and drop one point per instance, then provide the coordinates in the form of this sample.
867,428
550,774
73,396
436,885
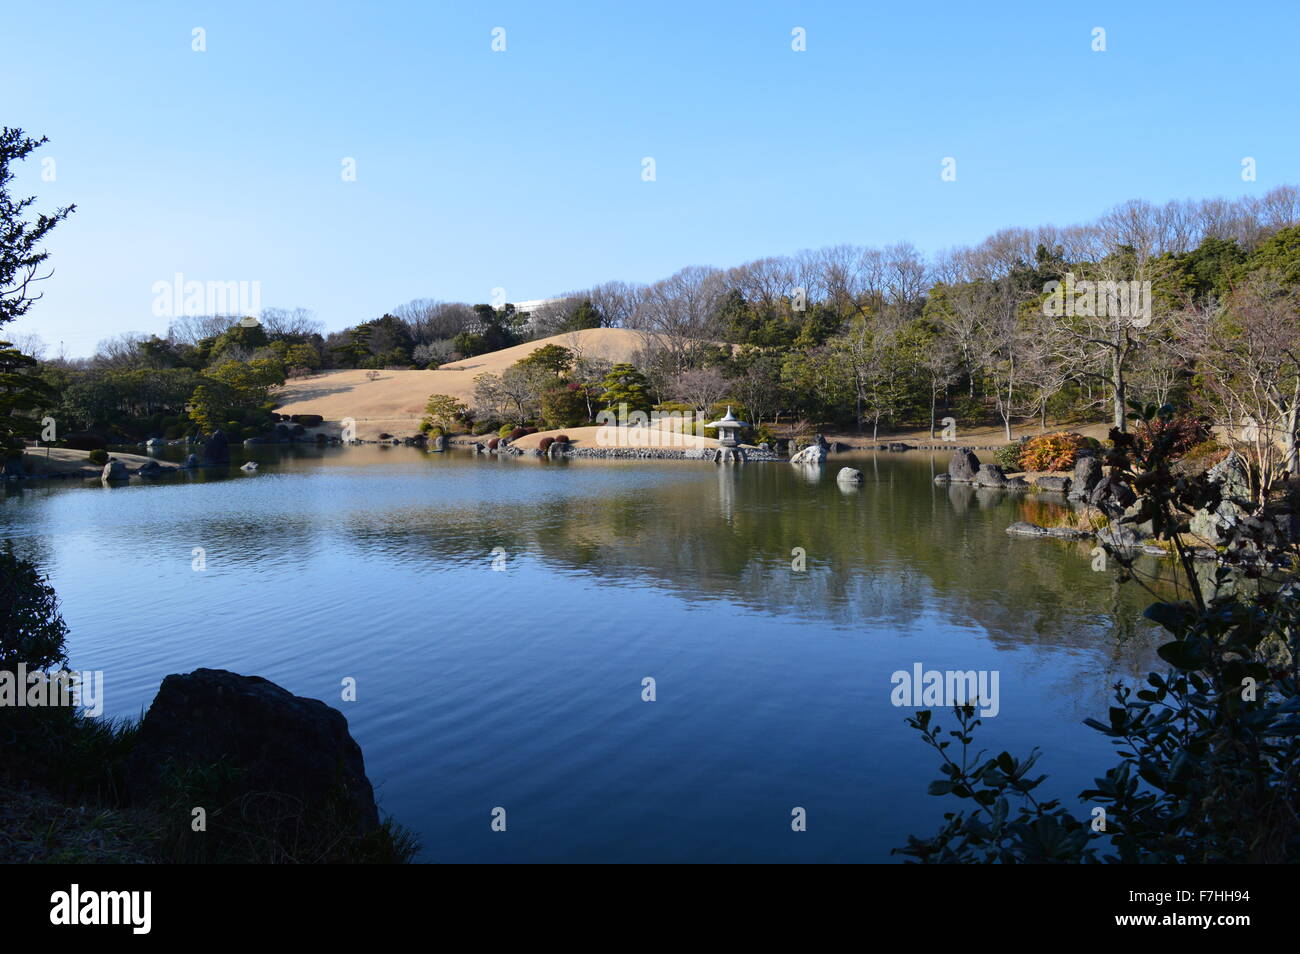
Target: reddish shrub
1052,451
1180,434
545,444
492,444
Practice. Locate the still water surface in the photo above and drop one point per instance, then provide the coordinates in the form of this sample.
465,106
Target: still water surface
522,688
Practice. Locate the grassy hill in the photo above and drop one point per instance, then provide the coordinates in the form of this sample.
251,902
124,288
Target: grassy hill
395,401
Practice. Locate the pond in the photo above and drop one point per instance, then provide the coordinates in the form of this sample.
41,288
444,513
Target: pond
501,619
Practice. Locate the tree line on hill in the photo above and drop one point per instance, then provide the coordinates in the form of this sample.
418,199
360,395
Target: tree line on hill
1191,302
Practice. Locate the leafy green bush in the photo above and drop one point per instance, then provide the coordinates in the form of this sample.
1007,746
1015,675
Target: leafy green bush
564,406
98,457
1008,457
32,630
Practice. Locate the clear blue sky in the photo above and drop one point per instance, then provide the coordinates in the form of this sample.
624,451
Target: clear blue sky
522,169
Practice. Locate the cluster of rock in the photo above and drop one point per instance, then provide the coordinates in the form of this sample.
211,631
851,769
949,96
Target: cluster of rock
1230,522
965,468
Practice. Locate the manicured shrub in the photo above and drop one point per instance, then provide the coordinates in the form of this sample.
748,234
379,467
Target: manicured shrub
545,444
1008,457
307,420
504,431
98,457
492,444
517,433
561,438
385,436
1051,451
484,427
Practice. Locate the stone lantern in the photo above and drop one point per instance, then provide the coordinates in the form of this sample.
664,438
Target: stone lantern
729,450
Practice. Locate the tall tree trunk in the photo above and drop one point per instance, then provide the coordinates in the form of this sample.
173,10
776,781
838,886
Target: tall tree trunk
1117,386
1292,452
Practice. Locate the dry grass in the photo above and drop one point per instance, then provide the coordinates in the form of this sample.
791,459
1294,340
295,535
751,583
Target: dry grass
394,402
36,828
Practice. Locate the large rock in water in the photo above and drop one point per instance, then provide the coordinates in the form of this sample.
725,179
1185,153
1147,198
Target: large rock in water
1087,474
964,466
1057,485
114,471
278,742
849,475
812,454
216,450
990,475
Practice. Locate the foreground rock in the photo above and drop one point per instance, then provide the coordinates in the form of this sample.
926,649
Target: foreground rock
991,475
1087,474
1057,485
277,742
964,466
114,471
